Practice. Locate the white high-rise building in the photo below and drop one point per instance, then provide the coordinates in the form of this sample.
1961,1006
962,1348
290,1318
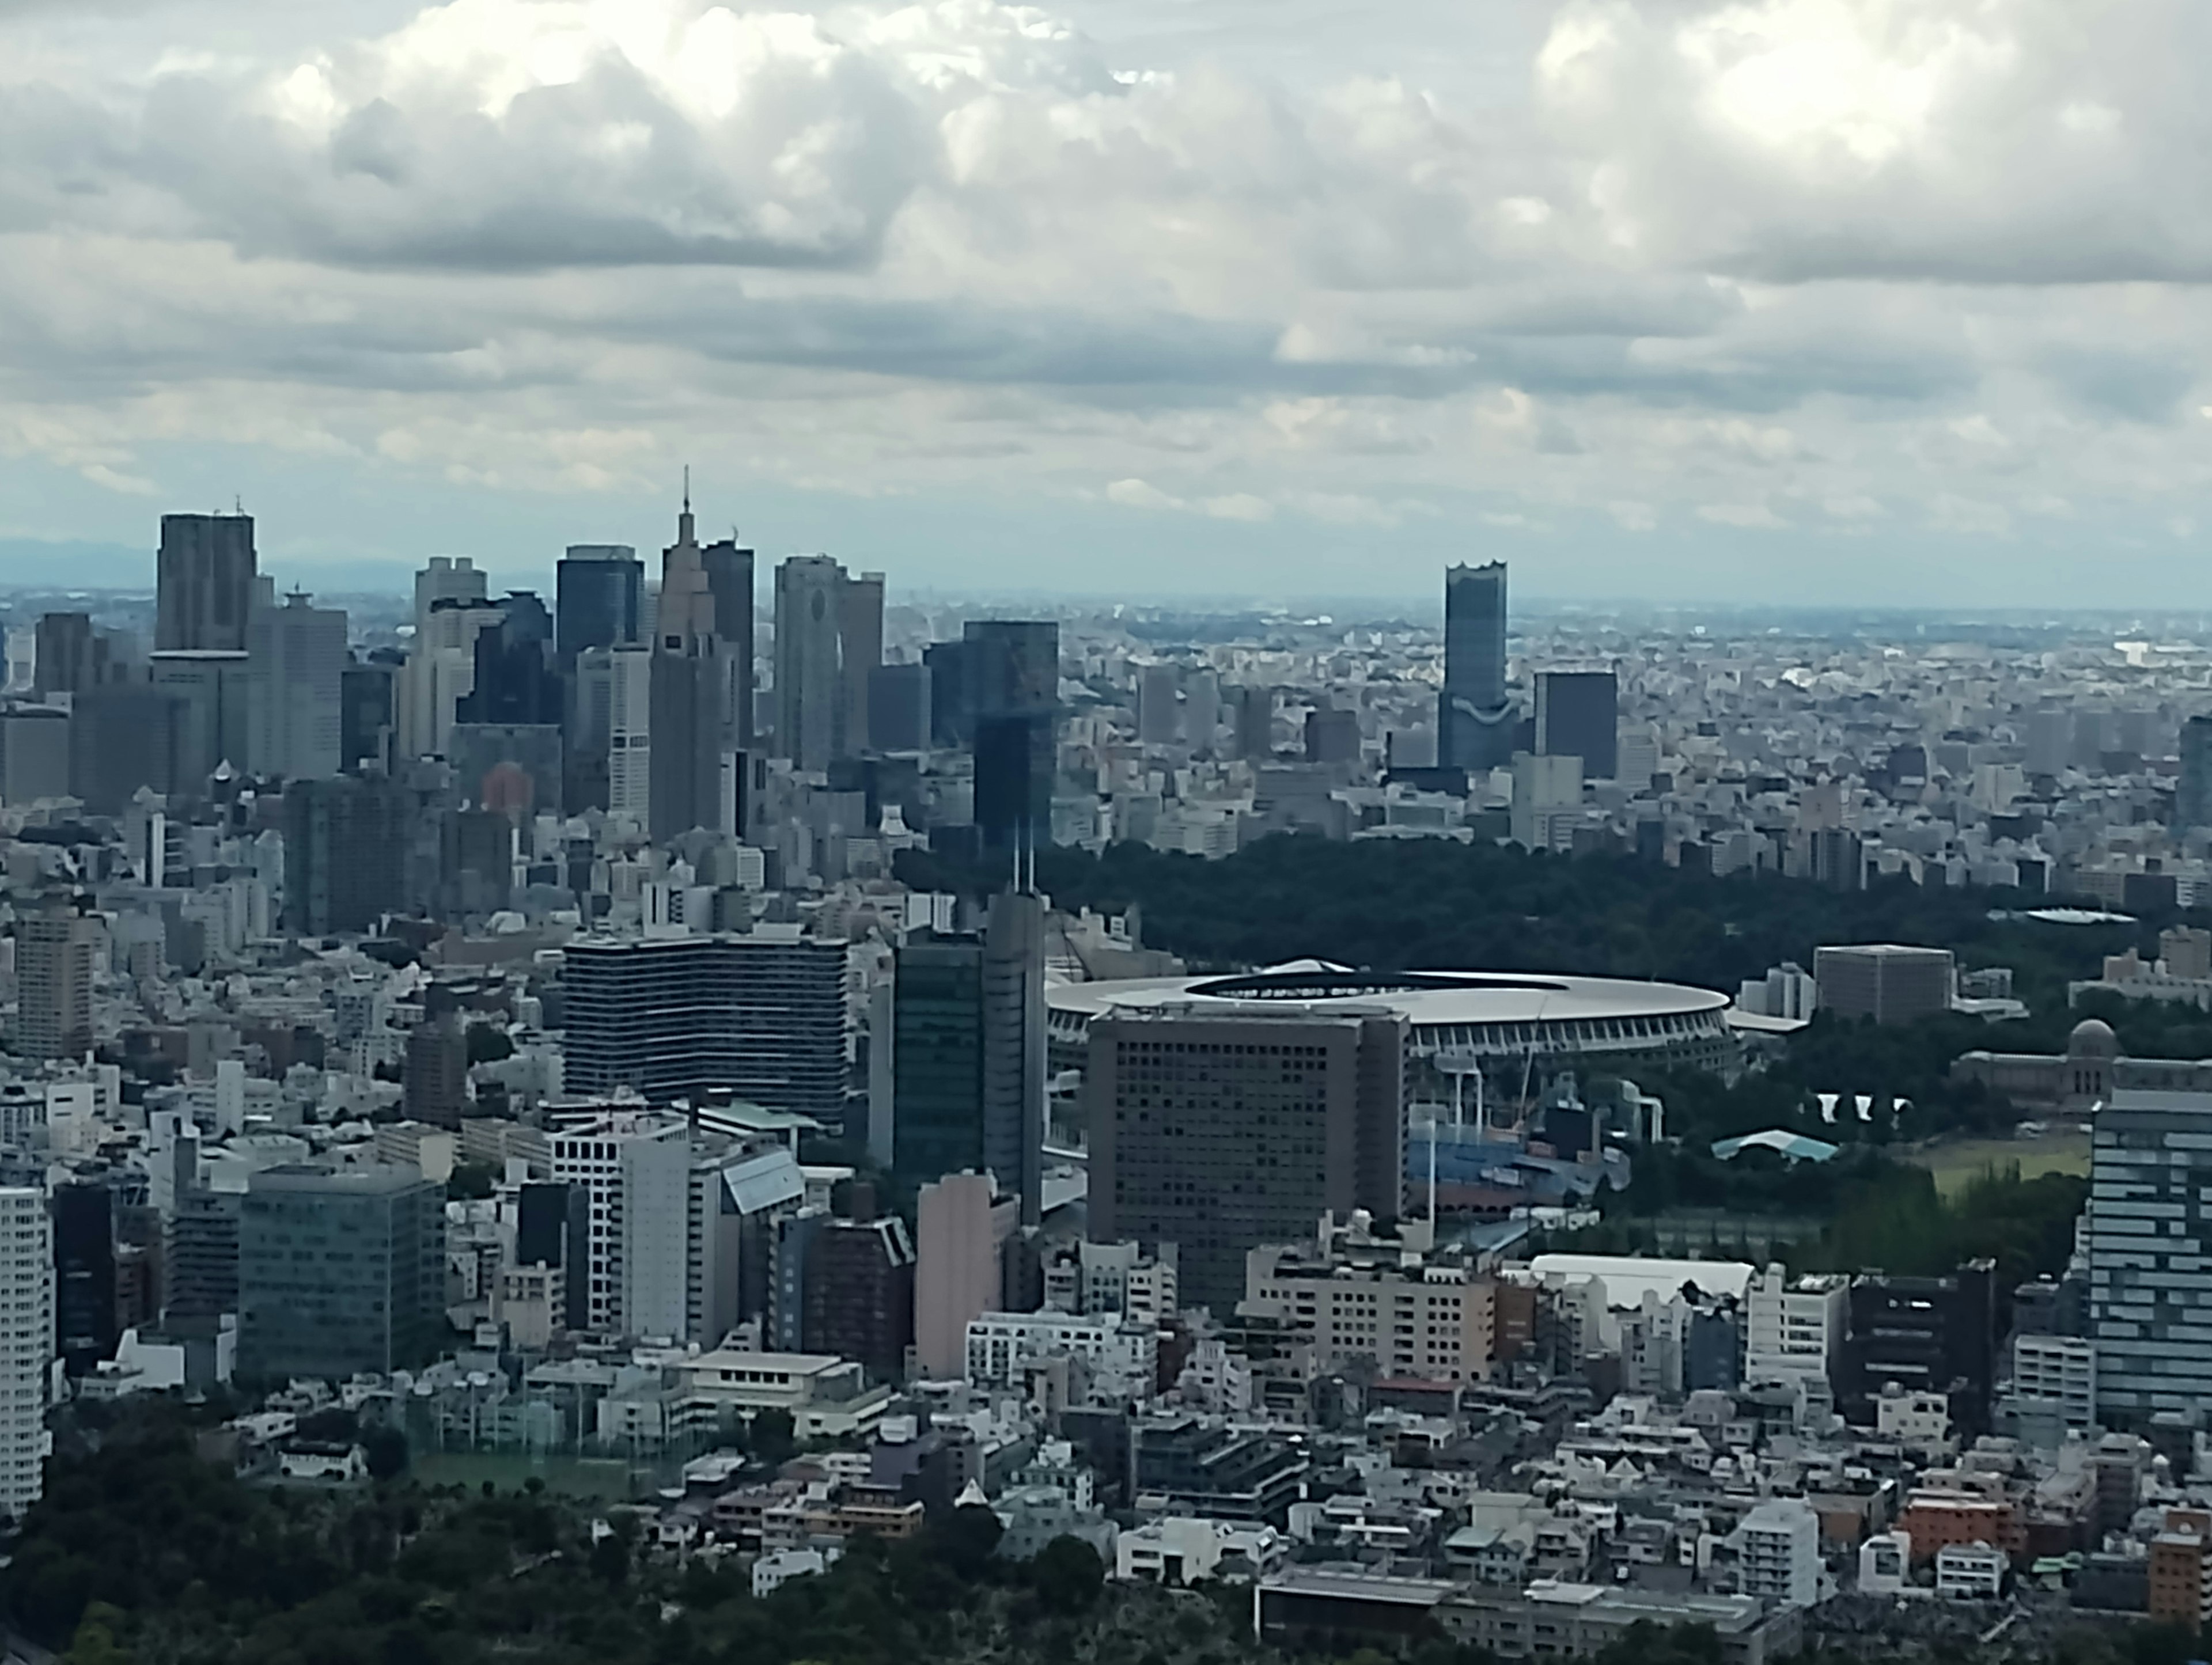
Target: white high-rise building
295,666
450,608
1793,1328
629,733
1778,1552
27,1346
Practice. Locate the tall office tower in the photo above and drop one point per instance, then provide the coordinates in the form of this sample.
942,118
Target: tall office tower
693,781
514,678
937,1056
1201,710
730,580
73,658
346,847
435,1078
952,712
809,596
121,739
694,1214
1252,716
762,1016
1578,715
55,946
857,1282
200,1258
450,607
27,1346
2150,1175
204,583
628,681
1220,1132
1011,670
592,1160
956,1275
1014,1047
2193,793
85,1327
860,655
1475,718
213,692
898,708
1159,710
599,590
295,697
341,1272
367,692
968,1053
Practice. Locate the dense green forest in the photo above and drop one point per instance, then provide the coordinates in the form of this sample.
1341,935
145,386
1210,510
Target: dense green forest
1434,903
142,1555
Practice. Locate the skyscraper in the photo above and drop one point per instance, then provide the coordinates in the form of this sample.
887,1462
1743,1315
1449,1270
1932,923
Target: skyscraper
345,853
1475,718
54,950
295,692
1218,1133
1011,677
2150,1174
27,1346
73,658
341,1272
860,655
968,1053
937,1056
204,583
694,776
1014,1047
1578,715
598,591
730,580
2192,795
84,1273
515,679
810,601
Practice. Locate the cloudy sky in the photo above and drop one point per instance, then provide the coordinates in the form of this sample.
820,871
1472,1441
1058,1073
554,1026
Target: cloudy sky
1848,300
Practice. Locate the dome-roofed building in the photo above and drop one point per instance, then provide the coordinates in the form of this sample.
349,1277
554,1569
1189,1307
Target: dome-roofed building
2084,1076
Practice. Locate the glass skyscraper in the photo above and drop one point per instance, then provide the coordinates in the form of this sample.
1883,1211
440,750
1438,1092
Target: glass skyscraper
2150,1271
1474,719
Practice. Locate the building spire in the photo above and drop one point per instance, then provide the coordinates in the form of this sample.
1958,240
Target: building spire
684,533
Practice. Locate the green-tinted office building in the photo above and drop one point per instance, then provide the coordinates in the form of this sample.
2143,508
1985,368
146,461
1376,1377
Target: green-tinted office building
937,1057
341,1272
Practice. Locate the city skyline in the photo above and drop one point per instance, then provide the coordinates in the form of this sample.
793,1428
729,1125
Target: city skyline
1221,298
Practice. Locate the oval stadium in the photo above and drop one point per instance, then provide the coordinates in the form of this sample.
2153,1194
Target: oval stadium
1518,1029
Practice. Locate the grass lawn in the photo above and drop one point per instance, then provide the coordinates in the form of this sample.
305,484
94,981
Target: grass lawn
604,1482
1956,1164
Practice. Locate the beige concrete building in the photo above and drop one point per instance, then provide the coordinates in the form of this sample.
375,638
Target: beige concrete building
1355,1293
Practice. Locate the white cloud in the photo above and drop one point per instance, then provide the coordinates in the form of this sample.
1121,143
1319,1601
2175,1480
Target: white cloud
1924,263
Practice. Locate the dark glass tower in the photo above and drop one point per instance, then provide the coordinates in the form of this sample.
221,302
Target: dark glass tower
204,583
1010,677
1474,719
598,596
